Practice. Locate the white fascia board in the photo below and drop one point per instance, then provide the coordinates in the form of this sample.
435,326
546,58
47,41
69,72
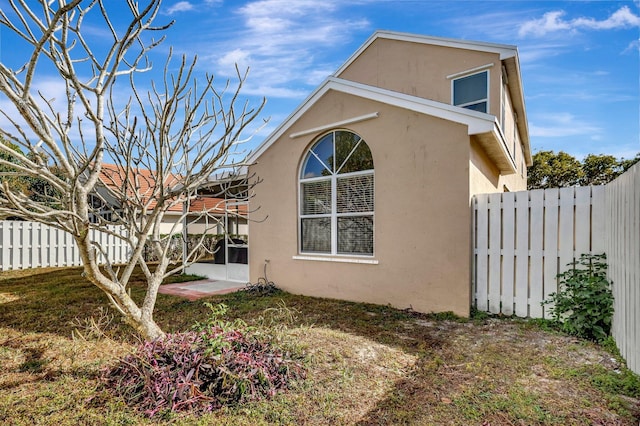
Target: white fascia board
504,50
336,124
476,122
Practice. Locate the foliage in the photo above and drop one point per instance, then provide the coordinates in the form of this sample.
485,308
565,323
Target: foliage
33,187
218,364
551,170
626,164
599,169
616,382
8,156
216,319
583,305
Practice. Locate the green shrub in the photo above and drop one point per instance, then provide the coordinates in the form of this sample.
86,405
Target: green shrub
583,305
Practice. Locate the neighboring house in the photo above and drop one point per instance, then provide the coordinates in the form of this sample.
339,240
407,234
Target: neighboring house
142,183
366,186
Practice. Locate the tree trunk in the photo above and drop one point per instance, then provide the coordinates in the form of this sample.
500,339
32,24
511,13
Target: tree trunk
148,328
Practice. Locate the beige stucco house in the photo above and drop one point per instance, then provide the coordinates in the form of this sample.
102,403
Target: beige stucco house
366,186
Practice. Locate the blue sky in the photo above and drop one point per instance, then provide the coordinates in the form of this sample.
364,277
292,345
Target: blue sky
579,60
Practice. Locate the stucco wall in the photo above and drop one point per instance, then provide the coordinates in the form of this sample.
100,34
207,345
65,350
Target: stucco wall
422,215
421,69
484,177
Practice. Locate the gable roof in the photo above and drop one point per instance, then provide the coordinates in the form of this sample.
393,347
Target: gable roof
479,123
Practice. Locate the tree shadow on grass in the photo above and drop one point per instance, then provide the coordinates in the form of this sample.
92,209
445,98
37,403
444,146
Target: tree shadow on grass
48,302
56,299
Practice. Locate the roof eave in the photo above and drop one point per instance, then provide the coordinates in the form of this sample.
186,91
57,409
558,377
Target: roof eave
512,65
494,145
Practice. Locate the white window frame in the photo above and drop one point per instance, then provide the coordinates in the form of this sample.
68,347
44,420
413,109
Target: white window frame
470,74
333,215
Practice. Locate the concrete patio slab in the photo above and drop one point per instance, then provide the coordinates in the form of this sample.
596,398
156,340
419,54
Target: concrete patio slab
195,290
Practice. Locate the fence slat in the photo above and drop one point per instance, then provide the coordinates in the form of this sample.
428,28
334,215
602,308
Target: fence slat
6,245
494,253
582,221
550,284
16,247
598,210
536,260
522,254
482,253
508,252
566,238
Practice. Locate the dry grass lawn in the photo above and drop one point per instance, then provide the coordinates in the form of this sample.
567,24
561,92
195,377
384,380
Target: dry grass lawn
367,365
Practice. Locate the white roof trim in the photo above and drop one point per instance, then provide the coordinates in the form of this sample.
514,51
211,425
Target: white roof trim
336,124
470,71
504,50
477,122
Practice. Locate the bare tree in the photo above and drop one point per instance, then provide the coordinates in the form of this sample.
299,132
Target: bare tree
180,131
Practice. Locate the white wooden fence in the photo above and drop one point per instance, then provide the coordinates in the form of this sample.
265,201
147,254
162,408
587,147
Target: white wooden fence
622,245
523,240
32,245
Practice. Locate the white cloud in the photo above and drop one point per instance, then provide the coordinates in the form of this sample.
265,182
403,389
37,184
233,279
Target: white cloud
531,53
550,22
283,42
233,57
634,47
622,18
560,125
181,6
554,21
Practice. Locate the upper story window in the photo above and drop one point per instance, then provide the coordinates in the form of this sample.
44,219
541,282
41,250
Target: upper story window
472,91
337,196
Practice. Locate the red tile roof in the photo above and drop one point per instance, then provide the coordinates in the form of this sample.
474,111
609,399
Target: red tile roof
113,176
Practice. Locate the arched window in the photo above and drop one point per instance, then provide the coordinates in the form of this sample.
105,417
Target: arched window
336,196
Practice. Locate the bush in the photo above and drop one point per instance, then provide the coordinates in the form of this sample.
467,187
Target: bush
583,305
202,370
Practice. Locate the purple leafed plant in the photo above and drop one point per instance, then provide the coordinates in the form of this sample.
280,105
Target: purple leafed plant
201,371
